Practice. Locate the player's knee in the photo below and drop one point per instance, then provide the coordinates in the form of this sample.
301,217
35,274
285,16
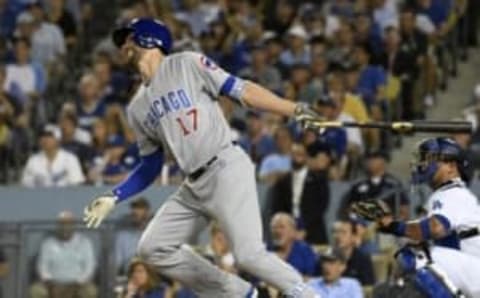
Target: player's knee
248,259
152,251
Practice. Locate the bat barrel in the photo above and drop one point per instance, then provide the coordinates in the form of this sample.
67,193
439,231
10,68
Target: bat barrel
443,127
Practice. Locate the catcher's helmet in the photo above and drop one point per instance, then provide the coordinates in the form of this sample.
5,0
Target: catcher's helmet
433,150
146,33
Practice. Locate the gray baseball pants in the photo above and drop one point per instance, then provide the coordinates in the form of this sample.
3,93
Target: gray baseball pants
226,192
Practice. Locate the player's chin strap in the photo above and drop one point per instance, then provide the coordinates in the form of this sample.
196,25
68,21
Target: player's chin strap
430,278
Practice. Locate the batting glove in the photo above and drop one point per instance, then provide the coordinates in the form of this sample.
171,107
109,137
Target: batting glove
304,112
306,115
98,209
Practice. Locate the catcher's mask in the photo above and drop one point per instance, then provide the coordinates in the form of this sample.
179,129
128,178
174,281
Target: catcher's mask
431,151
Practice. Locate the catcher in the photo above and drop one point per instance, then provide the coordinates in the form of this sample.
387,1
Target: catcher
453,212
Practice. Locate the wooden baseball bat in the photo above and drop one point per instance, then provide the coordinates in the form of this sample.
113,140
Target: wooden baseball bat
403,127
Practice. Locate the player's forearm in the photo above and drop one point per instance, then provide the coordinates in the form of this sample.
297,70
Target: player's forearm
434,227
258,97
141,177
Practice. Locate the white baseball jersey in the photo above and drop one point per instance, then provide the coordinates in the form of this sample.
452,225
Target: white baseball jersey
462,209
178,108
461,269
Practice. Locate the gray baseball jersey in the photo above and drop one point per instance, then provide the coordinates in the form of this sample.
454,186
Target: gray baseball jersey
178,108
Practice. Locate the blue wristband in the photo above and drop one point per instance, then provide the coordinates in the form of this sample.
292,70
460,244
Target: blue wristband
397,228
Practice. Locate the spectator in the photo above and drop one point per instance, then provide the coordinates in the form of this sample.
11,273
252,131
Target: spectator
341,54
367,32
196,15
385,13
297,51
52,166
295,252
259,71
299,87
371,79
468,169
60,16
219,251
282,17
71,133
111,84
304,194
341,8
274,49
401,63
48,43
116,166
97,162
117,124
359,265
276,165
90,105
66,263
240,55
24,77
9,11
339,97
414,42
335,138
75,139
364,239
131,228
256,142
4,269
319,70
437,11
379,184
143,282
351,104
332,284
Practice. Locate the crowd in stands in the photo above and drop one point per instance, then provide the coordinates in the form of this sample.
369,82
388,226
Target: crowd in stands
64,89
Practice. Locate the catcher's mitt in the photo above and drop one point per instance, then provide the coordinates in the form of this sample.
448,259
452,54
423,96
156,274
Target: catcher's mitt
371,210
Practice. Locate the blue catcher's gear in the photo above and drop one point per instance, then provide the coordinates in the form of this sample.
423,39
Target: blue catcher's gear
433,150
427,277
146,33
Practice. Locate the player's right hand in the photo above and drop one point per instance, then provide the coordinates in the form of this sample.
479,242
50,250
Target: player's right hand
305,115
98,209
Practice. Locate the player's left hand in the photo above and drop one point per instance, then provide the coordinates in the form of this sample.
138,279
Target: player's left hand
98,209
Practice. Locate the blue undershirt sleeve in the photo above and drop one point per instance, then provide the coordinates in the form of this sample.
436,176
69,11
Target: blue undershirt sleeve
141,176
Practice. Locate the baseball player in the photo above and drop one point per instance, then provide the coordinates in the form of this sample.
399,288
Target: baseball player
176,108
453,212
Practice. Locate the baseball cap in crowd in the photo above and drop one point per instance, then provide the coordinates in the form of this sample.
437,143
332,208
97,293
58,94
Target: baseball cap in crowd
326,100
25,18
334,254
50,130
297,31
141,202
116,141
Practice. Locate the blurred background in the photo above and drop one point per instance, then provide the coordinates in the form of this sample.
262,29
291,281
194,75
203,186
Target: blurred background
64,136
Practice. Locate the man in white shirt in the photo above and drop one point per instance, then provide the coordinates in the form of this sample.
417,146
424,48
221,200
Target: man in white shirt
66,263
52,166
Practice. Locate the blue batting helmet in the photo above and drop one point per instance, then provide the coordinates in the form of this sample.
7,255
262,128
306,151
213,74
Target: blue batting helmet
146,33
433,150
